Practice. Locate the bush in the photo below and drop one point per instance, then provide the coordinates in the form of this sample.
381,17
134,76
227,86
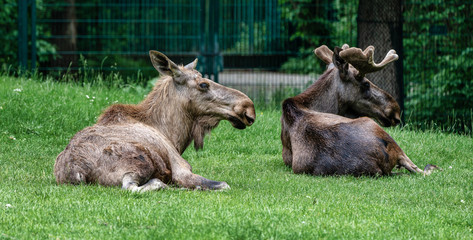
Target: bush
438,61
304,64
446,99
313,23
9,35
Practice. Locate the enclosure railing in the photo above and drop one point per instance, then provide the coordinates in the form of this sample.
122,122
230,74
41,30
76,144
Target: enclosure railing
269,43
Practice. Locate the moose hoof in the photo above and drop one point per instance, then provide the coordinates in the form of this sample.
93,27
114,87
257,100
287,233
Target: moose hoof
223,186
430,168
213,185
152,185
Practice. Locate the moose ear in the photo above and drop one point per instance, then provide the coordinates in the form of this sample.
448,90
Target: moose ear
340,63
163,64
192,65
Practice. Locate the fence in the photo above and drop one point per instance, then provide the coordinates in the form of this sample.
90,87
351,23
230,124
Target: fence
262,47
438,63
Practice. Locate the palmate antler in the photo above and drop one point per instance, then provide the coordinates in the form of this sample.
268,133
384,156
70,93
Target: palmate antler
324,53
361,60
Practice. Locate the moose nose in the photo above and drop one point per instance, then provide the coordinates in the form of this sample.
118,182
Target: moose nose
396,121
249,113
393,116
245,110
249,119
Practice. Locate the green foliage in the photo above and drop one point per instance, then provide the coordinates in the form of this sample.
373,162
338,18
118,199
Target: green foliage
267,201
273,99
436,37
246,44
8,32
44,49
9,35
447,97
309,19
315,23
438,65
304,65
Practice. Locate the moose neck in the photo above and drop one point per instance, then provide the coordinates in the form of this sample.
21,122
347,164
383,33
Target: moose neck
168,114
322,95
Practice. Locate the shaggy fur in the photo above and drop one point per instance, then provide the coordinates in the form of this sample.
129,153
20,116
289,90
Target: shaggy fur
318,142
139,146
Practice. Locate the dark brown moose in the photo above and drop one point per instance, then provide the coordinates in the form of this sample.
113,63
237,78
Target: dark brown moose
352,95
317,141
139,146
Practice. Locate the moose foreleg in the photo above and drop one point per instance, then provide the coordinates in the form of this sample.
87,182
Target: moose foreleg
131,183
287,156
182,175
286,145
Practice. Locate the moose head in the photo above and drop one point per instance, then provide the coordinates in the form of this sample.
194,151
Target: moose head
352,94
204,101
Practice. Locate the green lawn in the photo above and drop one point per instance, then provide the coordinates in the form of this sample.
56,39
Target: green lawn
266,200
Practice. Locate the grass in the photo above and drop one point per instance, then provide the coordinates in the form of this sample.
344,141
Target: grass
267,201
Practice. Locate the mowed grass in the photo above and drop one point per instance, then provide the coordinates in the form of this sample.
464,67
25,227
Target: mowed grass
266,200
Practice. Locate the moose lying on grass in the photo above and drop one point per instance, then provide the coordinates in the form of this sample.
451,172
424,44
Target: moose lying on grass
316,141
352,95
139,146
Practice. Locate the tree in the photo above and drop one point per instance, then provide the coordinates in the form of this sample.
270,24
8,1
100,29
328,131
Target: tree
380,25
311,24
66,29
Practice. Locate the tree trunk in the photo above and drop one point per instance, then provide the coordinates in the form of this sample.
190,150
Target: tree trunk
380,25
65,33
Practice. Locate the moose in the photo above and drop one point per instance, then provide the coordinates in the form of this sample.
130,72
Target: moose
326,130
353,95
139,146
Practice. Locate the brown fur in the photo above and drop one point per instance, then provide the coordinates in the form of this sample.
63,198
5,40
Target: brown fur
316,141
327,144
140,146
341,90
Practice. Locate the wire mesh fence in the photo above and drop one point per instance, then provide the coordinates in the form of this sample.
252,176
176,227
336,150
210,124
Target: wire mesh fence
9,34
116,35
438,61
382,28
271,43
263,48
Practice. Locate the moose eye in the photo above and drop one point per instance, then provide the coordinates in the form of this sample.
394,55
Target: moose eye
365,88
204,85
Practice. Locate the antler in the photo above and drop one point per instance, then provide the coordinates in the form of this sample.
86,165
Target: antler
363,60
324,53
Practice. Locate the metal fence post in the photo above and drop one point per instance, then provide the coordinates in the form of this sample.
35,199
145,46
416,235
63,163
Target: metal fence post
251,25
202,33
33,34
22,34
209,48
214,23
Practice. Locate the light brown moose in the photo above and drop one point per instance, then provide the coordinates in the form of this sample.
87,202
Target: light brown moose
139,146
316,141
